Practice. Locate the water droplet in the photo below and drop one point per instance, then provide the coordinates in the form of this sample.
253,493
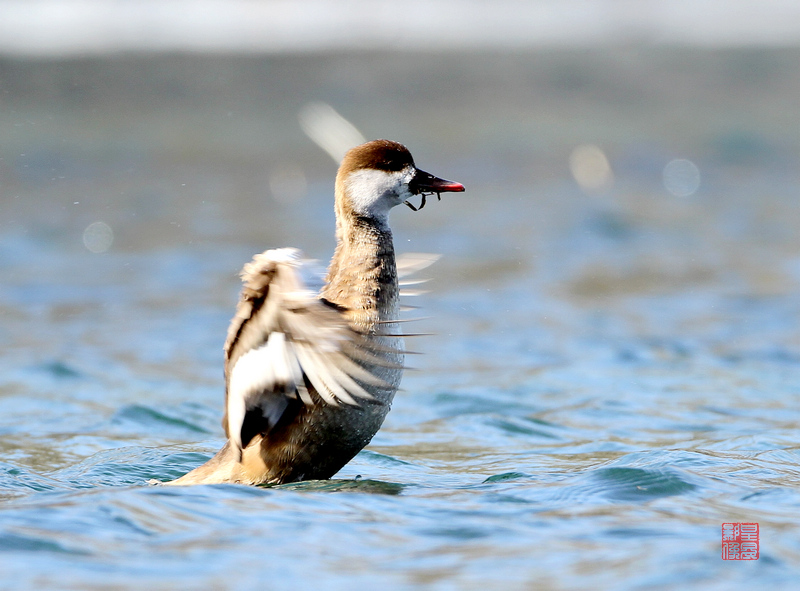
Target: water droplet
328,129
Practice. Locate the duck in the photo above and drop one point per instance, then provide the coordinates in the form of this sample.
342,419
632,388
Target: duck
313,361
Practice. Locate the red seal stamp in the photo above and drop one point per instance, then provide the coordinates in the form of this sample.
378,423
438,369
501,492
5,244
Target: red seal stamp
739,541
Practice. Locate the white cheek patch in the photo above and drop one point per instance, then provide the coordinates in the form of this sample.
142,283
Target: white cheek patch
374,192
407,174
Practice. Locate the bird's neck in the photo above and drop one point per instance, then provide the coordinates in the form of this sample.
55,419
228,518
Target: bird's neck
362,277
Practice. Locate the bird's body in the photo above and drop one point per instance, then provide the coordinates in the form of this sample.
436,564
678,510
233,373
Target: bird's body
310,375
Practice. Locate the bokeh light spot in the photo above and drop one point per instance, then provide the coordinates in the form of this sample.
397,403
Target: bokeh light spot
98,237
590,168
681,177
288,184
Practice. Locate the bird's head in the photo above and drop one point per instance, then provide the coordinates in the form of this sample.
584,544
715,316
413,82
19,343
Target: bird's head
376,176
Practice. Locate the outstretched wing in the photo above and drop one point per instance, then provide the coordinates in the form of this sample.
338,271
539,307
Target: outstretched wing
285,343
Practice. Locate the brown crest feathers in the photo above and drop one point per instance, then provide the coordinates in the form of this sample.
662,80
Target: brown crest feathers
379,155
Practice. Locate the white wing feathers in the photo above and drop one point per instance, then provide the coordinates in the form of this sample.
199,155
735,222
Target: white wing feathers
408,264
283,337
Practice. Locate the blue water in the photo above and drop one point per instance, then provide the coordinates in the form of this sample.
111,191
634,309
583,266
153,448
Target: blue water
610,376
